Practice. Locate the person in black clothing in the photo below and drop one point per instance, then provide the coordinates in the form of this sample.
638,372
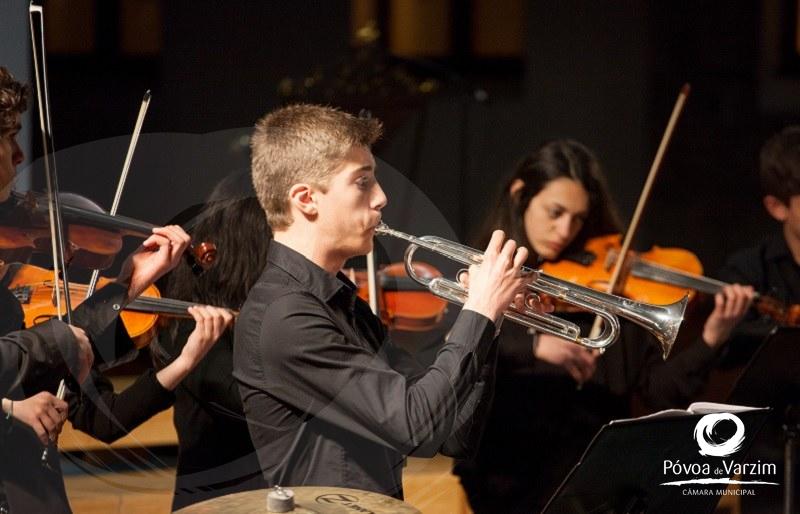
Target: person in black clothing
552,396
329,400
216,455
52,348
35,360
771,267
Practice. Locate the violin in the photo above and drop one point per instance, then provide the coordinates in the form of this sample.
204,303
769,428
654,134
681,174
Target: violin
34,289
89,247
94,237
658,276
592,267
403,304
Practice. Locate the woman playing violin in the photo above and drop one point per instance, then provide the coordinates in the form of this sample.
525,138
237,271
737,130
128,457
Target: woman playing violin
552,396
216,455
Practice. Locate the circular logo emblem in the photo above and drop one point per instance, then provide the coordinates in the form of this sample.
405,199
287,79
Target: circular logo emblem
704,435
337,498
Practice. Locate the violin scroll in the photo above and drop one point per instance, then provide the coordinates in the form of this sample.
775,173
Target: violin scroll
201,256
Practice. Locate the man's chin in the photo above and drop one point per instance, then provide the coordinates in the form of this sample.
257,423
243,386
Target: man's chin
357,250
367,246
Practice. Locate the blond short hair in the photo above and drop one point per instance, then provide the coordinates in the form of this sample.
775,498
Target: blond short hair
302,143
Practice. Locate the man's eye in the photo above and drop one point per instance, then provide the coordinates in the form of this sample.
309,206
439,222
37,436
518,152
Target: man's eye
363,182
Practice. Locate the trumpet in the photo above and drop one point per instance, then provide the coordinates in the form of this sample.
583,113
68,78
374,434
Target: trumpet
662,321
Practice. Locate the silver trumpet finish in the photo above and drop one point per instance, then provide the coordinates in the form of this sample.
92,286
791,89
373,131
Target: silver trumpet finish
663,321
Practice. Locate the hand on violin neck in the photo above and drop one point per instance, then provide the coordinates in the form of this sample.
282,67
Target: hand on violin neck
730,306
210,323
158,254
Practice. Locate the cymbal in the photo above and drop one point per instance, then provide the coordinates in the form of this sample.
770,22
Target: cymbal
308,500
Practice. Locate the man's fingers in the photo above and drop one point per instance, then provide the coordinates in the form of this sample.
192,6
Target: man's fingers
47,422
740,300
61,406
506,257
520,257
719,303
51,419
41,434
495,243
520,302
731,301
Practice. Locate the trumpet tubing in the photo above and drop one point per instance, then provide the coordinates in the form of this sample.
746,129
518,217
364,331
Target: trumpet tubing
662,321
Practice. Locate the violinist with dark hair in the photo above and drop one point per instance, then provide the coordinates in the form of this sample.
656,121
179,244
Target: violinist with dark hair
215,453
33,360
552,395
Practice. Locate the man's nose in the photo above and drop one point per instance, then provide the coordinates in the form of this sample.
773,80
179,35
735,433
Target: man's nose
380,200
17,155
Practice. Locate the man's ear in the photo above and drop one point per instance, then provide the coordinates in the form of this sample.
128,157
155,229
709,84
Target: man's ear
516,186
301,197
776,208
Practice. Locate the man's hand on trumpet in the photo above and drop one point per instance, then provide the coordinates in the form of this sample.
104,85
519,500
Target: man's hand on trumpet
498,281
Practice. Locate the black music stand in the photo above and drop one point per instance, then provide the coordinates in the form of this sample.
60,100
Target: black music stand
772,379
622,470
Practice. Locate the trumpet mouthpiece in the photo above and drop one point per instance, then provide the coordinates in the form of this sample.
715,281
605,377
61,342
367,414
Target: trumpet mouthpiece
382,228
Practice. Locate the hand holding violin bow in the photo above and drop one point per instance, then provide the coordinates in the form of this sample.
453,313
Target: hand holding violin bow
44,413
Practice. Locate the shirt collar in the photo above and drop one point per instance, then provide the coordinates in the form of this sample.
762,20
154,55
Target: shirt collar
318,281
777,248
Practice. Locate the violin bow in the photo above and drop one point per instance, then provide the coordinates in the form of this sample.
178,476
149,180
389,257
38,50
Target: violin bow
57,232
619,265
137,129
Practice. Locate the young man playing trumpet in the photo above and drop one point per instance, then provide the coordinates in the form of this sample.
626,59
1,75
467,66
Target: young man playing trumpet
329,400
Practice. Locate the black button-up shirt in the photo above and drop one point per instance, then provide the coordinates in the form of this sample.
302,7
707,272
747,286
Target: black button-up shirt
771,269
330,401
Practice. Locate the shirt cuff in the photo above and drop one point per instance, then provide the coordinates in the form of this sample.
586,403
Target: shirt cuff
474,331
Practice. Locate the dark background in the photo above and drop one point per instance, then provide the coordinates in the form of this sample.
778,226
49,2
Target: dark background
603,72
